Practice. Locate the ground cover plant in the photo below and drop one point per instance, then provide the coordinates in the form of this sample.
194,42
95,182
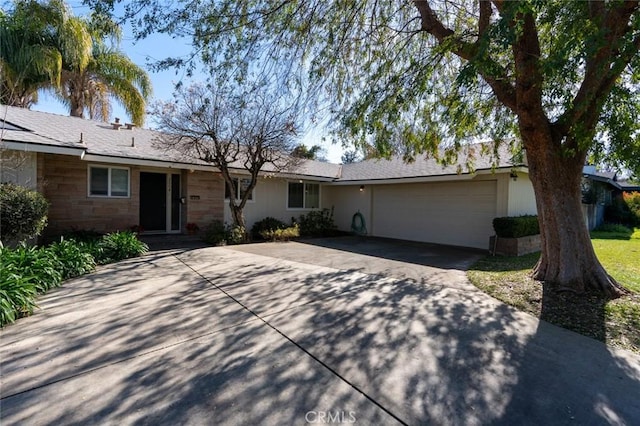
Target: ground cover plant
26,271
616,322
285,234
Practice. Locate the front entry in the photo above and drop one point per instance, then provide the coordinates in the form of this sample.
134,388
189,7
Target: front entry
156,214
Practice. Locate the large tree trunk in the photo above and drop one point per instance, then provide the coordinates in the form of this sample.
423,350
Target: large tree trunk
568,261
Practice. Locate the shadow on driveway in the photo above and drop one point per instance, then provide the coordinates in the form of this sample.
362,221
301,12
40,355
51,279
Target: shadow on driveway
224,336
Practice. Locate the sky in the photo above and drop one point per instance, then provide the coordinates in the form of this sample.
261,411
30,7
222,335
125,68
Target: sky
155,47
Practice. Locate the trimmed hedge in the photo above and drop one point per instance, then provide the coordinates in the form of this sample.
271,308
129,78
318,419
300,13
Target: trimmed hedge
516,227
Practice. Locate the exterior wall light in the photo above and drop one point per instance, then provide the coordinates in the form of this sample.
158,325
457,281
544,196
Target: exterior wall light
361,188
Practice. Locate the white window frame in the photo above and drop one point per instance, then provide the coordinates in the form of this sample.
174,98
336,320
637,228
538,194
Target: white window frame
237,180
304,196
109,169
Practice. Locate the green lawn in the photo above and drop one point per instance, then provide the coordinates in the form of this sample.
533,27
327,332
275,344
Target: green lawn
616,322
620,257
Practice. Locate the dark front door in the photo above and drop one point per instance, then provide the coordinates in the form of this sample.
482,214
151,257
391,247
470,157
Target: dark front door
153,201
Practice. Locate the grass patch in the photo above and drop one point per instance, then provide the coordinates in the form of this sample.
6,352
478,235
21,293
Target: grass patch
615,322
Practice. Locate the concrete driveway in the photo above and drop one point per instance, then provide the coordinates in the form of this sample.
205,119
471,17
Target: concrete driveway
341,330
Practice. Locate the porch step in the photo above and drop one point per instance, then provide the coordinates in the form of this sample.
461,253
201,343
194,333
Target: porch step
172,241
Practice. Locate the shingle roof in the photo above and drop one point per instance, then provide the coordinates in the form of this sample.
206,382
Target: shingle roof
97,138
423,166
628,186
102,139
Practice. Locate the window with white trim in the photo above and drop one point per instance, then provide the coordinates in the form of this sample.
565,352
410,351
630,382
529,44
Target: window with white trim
303,195
240,187
108,181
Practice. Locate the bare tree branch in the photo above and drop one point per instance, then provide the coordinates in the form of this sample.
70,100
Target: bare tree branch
232,131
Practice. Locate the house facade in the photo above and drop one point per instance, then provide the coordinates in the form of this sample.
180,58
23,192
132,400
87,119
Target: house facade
600,191
102,177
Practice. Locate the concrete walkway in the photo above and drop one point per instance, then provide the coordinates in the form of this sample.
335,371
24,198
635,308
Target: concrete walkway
332,331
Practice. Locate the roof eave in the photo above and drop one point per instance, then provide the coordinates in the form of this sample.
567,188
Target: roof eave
99,158
43,148
431,178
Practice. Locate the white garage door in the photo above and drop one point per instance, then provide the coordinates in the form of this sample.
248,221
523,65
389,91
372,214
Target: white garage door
458,213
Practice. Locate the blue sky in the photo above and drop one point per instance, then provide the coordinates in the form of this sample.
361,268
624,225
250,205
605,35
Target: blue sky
159,46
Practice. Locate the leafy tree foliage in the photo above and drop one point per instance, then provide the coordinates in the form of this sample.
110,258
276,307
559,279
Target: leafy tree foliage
315,152
559,77
350,156
44,46
29,59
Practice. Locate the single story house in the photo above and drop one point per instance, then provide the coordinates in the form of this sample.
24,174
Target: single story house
600,189
106,177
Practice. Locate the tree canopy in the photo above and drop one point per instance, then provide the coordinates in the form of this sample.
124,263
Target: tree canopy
410,76
46,47
315,152
558,79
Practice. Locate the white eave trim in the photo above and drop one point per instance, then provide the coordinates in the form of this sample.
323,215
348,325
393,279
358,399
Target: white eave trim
433,178
269,174
46,149
148,163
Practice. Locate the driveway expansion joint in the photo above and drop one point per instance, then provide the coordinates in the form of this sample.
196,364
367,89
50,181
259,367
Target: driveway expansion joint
297,345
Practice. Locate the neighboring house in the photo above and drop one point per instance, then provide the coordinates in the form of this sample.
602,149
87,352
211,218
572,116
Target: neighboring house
100,178
600,190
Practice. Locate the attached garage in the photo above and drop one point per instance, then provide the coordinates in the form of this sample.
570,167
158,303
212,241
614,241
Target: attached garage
455,213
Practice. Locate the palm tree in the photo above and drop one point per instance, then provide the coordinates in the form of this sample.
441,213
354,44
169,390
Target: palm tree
29,58
89,81
43,46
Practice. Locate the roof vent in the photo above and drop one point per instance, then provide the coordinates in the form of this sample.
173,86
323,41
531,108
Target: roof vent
129,126
116,124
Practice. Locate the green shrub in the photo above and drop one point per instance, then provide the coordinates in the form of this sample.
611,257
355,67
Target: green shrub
281,234
74,257
215,234
613,227
17,291
266,224
236,235
23,212
317,223
516,227
619,212
632,200
218,234
118,246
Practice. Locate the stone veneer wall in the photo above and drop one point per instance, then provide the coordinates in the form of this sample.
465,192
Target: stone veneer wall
65,184
515,246
64,179
204,192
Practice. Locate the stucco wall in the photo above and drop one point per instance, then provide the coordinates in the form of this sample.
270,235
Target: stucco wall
270,200
348,200
521,199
